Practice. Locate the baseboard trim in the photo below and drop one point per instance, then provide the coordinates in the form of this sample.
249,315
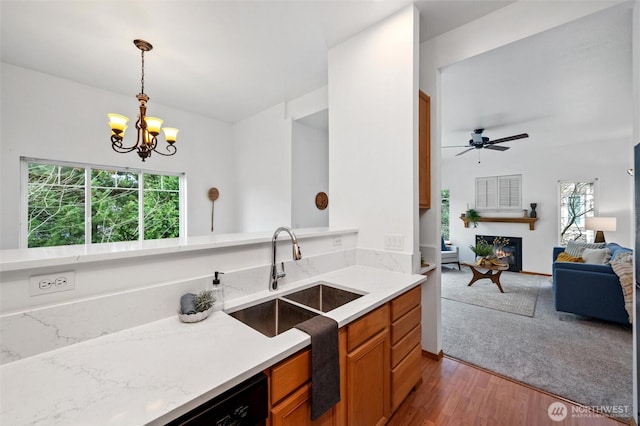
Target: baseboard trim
535,273
617,419
431,355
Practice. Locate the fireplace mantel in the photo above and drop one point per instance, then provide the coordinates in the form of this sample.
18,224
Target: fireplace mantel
530,220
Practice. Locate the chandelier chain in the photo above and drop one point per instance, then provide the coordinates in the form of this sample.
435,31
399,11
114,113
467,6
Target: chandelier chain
142,79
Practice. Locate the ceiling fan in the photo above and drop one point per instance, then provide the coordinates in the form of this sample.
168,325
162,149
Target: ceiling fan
478,141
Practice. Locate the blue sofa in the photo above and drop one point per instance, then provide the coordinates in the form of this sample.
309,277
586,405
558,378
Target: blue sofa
589,289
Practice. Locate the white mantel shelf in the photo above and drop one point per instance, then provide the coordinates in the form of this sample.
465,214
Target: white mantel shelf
530,220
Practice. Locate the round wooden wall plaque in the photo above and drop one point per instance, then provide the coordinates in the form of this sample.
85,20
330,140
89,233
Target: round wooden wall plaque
322,200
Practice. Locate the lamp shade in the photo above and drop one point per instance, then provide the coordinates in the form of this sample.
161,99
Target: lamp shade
117,122
170,134
153,125
601,223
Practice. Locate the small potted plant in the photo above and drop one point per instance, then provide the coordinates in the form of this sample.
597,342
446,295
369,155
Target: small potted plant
483,252
473,216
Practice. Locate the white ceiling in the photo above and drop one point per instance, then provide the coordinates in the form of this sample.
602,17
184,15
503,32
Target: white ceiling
571,84
222,59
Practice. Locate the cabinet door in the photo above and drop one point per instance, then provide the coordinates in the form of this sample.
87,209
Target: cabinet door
424,150
296,411
368,400
405,376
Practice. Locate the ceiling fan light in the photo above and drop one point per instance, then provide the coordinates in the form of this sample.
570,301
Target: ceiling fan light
170,134
153,125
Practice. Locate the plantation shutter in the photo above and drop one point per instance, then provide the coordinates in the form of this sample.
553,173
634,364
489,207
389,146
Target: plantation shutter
509,188
499,192
485,192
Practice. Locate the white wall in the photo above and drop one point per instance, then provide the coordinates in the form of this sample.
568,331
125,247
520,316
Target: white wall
51,118
310,169
262,166
373,132
515,21
635,40
263,170
606,160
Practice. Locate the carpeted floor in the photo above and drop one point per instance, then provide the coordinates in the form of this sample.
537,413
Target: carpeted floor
581,359
519,297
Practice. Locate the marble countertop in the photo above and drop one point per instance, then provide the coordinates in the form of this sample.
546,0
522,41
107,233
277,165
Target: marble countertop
153,373
41,257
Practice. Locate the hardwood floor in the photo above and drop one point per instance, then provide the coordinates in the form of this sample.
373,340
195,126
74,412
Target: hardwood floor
454,393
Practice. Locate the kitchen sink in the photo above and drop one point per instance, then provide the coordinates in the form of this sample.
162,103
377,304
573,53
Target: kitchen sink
323,297
280,314
273,317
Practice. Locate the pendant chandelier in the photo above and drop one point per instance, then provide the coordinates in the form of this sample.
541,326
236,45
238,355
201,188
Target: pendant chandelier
148,128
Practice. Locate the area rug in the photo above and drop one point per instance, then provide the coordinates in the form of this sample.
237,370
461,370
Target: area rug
519,297
584,360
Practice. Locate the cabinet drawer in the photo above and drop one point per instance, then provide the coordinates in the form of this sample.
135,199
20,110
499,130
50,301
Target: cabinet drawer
289,375
404,303
402,326
405,376
405,345
361,330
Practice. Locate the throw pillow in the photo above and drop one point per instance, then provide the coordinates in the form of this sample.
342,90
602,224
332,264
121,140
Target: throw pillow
565,257
443,246
575,248
599,256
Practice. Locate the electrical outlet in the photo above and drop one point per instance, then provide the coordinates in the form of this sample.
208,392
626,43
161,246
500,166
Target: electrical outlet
52,283
393,242
337,241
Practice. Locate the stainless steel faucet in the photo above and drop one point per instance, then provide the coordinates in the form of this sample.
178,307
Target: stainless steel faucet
274,276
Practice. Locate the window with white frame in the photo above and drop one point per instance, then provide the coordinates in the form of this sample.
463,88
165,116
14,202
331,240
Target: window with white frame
499,192
68,203
577,201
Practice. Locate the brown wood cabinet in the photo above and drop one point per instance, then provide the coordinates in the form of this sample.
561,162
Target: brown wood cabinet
368,386
406,352
424,150
379,365
291,393
296,411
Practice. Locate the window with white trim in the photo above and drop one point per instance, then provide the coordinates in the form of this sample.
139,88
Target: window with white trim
69,203
577,201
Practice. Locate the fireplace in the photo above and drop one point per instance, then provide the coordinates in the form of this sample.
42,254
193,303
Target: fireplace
508,249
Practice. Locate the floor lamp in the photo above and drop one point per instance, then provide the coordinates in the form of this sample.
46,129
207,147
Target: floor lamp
600,224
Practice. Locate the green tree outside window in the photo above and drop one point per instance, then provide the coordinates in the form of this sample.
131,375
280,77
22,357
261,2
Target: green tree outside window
444,195
124,205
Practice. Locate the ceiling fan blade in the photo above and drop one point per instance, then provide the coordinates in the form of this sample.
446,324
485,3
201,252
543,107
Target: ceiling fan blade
455,146
497,147
509,138
466,150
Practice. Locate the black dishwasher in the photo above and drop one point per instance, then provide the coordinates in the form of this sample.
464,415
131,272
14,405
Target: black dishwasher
245,404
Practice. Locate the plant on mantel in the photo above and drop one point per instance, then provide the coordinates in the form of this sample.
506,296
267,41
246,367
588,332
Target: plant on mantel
472,215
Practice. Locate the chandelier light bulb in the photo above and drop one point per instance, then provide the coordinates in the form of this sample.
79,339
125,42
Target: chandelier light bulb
170,134
117,123
153,125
